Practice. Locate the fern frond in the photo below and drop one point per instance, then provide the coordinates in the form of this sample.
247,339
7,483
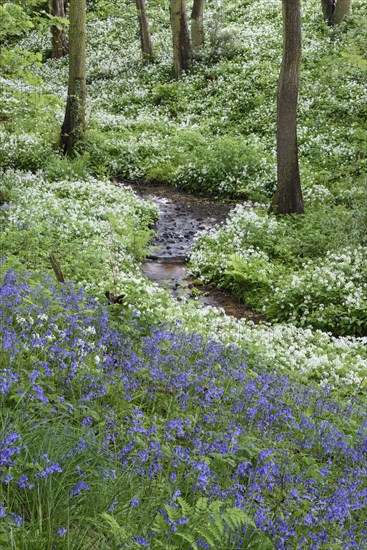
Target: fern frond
173,513
189,538
236,518
201,507
217,528
207,533
160,524
117,531
187,510
215,506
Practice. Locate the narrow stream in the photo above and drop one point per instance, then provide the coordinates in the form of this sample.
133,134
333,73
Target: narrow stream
181,216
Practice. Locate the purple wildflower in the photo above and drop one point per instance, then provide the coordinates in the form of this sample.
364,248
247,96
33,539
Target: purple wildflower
81,486
141,540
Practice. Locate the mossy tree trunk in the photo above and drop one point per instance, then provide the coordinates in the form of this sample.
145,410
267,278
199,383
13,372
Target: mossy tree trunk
335,10
180,37
60,46
72,131
145,36
288,195
197,23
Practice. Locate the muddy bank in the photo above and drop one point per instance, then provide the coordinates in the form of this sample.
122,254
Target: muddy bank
174,276
181,216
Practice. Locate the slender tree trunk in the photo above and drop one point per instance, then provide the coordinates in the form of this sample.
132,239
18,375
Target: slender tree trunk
335,10
180,37
59,41
342,9
72,130
145,36
288,195
197,23
328,9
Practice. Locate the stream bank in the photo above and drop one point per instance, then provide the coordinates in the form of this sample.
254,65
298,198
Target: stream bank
181,216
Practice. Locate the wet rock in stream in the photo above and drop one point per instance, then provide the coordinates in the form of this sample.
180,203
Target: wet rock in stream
181,216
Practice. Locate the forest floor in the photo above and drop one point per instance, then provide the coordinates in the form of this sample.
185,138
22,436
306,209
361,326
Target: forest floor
162,422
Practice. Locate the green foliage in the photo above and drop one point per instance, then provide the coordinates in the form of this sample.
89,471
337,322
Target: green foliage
222,40
327,294
211,522
19,63
118,533
59,167
225,166
166,92
24,105
19,152
211,132
104,237
14,21
19,17
321,230
300,269
49,21
355,58
250,279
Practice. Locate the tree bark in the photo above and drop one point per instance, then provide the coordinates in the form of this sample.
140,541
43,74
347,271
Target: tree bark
60,46
72,131
288,195
335,10
145,36
328,8
197,23
342,9
57,269
180,37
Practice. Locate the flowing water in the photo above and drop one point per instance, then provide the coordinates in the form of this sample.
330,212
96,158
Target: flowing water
181,216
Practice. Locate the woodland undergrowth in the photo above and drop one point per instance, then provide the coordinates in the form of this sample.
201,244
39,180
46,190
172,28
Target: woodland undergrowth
165,424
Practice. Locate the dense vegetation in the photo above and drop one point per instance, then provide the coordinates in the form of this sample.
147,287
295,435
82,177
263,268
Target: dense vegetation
158,423
114,435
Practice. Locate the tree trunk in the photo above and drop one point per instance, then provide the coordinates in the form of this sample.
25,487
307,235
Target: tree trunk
328,9
180,37
335,10
197,23
72,131
342,9
59,40
145,36
288,195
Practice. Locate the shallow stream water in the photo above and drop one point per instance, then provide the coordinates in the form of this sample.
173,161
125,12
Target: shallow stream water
181,216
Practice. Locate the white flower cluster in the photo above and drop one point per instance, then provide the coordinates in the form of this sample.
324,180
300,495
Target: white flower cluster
242,234
335,285
313,354
89,217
